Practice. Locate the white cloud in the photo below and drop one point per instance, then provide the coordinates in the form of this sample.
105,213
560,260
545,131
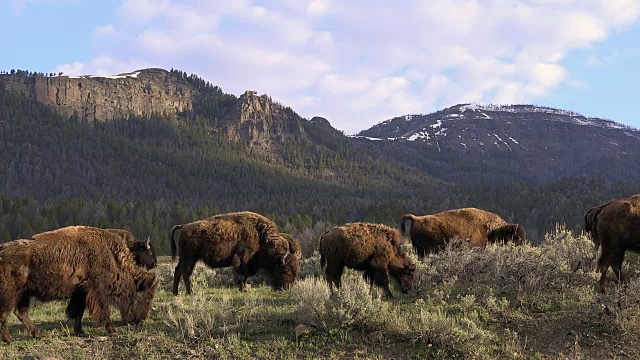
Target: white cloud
74,69
105,30
359,62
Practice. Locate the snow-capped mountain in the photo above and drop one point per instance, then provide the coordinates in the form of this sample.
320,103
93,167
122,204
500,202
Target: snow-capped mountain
534,141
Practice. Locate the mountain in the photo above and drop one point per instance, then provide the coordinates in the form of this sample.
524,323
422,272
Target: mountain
151,148
218,151
513,143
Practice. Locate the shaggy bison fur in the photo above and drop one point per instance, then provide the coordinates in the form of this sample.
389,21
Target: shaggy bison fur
617,229
372,248
98,263
143,255
429,233
294,245
246,241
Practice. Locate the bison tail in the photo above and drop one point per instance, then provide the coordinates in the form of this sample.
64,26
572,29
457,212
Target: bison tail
403,222
323,260
172,241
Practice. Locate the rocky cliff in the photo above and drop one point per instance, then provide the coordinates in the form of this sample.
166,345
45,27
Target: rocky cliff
103,98
261,122
266,126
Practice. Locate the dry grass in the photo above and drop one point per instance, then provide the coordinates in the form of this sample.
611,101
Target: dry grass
500,302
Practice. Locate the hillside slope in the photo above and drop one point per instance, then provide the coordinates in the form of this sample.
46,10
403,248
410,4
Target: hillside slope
514,143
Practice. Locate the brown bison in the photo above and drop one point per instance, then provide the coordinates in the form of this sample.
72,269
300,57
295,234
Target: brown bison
55,269
429,233
617,229
143,255
246,241
372,248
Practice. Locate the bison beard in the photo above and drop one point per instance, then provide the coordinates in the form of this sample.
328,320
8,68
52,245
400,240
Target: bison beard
371,248
97,262
244,240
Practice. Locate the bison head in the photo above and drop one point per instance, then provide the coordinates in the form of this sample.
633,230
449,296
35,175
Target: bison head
285,273
143,254
402,268
138,308
509,233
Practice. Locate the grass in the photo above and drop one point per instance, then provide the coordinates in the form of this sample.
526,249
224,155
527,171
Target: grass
502,302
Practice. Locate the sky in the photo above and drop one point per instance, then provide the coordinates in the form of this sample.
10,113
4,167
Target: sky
354,62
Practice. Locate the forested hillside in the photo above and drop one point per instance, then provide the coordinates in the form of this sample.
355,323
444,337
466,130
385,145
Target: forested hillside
147,173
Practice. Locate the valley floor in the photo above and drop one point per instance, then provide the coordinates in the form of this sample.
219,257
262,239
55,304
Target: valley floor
503,302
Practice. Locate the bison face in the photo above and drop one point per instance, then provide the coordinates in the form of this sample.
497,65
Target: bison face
509,233
144,255
138,309
520,236
286,272
403,271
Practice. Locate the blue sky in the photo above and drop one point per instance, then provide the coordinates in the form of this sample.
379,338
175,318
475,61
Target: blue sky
356,62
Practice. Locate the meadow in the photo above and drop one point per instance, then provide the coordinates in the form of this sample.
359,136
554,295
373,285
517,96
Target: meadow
501,302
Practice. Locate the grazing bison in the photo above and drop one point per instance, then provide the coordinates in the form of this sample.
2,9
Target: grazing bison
429,233
98,263
372,248
246,241
143,255
617,229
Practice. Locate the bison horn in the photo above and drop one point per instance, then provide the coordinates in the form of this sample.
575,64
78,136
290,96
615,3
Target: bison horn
148,242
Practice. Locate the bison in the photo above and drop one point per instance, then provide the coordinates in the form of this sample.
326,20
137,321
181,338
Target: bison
98,263
372,248
429,233
143,255
616,229
247,241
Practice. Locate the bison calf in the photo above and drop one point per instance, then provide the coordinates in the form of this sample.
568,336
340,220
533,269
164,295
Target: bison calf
429,233
372,248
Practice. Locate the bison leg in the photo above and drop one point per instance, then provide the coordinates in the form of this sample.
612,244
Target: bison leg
380,277
22,312
177,274
617,265
241,268
184,270
187,270
609,258
333,274
4,322
7,304
98,306
75,310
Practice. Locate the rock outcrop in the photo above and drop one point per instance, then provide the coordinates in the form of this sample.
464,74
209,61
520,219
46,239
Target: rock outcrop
104,98
262,123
